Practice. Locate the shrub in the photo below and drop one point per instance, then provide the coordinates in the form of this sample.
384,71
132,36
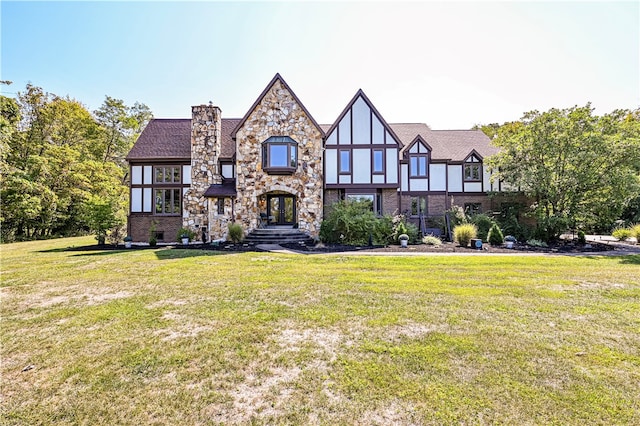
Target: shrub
484,223
351,223
236,233
495,236
456,216
635,232
582,238
464,233
153,239
383,231
621,234
536,243
430,240
185,232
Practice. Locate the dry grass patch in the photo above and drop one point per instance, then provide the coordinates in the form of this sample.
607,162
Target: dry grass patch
284,339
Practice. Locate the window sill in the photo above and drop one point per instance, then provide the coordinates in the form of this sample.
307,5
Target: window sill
280,170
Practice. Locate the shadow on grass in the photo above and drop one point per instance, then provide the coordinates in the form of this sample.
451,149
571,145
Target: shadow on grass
625,259
631,260
187,253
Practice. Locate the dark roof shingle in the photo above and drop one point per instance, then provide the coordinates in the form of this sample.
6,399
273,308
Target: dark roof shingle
170,138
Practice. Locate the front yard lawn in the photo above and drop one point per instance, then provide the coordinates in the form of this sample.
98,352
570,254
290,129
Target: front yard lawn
195,337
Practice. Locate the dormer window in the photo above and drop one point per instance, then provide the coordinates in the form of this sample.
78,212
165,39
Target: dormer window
419,159
280,155
473,169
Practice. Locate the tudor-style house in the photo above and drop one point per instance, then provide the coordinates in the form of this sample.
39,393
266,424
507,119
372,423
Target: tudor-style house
277,167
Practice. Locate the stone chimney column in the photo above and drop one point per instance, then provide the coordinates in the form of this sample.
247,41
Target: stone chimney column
206,123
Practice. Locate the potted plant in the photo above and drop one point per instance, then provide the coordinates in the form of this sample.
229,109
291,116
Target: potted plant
127,241
509,241
404,240
185,235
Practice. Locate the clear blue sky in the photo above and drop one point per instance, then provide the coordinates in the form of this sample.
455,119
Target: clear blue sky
449,65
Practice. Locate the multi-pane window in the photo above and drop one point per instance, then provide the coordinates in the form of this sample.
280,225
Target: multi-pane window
378,161
220,205
472,208
345,161
167,174
374,200
472,169
168,201
280,155
418,206
418,165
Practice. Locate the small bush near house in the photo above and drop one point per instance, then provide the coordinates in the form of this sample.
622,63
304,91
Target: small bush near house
495,236
350,223
182,232
582,238
635,232
621,234
236,234
431,240
383,231
484,223
464,233
536,243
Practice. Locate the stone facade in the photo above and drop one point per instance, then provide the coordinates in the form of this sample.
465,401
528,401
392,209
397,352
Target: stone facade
205,150
278,113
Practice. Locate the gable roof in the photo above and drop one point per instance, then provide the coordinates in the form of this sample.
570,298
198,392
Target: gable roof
454,145
360,94
170,138
273,81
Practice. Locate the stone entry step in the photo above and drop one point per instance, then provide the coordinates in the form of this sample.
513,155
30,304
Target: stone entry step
277,236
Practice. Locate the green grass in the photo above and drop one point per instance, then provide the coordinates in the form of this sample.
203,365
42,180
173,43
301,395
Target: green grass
188,337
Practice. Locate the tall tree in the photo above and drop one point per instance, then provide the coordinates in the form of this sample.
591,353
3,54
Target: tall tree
580,169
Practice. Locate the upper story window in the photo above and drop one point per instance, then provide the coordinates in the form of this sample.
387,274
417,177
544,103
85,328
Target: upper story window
378,161
418,165
472,169
345,161
167,174
280,155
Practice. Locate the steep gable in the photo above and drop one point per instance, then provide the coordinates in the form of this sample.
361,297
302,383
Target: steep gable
360,123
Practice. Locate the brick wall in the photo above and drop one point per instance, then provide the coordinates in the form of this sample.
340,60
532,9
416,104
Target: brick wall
139,226
390,201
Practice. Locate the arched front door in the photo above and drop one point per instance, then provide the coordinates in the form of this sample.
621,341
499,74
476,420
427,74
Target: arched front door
281,209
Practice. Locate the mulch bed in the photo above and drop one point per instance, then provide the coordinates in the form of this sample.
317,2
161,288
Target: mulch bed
446,247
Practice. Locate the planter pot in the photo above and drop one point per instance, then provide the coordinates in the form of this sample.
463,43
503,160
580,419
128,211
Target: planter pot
476,243
185,241
508,244
403,243
127,244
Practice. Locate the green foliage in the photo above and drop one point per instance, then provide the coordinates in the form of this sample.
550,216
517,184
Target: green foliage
483,222
621,234
495,236
57,159
582,238
102,216
456,216
351,223
185,233
236,233
153,239
537,243
581,169
383,231
431,240
635,232
464,233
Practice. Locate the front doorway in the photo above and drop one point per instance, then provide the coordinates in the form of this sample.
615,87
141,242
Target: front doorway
281,209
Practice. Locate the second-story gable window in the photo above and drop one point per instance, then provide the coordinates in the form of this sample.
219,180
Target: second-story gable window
280,155
378,161
418,165
472,169
345,161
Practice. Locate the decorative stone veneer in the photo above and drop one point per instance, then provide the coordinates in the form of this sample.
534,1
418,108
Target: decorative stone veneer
279,114
219,223
206,127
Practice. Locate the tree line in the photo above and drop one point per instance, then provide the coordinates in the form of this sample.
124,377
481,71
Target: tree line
580,170
63,167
